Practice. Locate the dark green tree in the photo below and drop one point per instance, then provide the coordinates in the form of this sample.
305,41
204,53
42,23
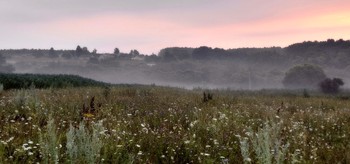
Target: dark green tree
116,51
78,51
304,77
134,53
94,51
52,53
86,50
331,86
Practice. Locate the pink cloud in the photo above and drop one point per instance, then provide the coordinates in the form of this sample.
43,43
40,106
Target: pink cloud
151,32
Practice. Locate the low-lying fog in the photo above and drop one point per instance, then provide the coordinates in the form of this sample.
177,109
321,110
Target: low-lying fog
249,68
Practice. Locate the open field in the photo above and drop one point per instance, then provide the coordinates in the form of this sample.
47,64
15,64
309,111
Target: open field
149,124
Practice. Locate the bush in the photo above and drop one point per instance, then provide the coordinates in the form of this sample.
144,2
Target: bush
331,86
84,146
266,144
49,143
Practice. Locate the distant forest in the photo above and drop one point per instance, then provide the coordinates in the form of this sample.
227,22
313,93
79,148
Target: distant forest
19,81
240,68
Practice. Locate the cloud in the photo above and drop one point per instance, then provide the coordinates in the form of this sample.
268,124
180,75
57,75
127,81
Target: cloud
149,25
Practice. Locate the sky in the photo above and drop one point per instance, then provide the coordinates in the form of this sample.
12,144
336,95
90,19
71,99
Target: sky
150,25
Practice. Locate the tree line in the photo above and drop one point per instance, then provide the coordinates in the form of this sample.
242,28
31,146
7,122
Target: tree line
18,81
259,67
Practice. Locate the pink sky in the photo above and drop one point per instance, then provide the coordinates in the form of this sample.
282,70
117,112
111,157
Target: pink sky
149,28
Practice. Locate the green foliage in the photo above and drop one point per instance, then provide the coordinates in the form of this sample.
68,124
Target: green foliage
49,143
304,76
202,66
267,144
83,146
18,81
79,51
116,51
175,54
244,145
149,124
134,53
331,86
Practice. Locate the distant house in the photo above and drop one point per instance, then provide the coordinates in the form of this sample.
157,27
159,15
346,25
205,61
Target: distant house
139,58
151,64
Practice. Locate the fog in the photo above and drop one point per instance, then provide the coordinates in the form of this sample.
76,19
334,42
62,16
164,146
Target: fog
205,67
208,74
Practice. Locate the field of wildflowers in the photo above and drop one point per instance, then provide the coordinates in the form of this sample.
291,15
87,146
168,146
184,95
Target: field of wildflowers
169,125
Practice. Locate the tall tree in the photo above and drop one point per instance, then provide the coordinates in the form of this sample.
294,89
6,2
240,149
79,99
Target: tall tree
134,53
116,51
86,50
304,77
52,53
94,51
78,51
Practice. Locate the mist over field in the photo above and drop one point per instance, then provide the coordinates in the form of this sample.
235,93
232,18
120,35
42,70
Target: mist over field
182,43
242,68
175,81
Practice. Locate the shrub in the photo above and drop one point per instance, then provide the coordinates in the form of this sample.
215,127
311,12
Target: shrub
49,143
331,86
266,145
245,150
83,146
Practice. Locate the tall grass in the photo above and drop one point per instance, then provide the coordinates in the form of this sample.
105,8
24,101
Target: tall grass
1,87
168,125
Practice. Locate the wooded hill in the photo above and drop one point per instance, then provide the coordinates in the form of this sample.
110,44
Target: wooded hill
202,66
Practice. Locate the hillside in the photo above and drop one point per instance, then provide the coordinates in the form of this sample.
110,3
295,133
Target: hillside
188,67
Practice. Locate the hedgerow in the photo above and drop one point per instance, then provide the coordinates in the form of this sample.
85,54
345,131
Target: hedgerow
18,81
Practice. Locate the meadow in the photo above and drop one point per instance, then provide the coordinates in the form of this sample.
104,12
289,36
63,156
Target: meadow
150,124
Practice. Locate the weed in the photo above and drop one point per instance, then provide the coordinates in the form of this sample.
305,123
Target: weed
49,143
207,97
84,146
266,144
167,125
